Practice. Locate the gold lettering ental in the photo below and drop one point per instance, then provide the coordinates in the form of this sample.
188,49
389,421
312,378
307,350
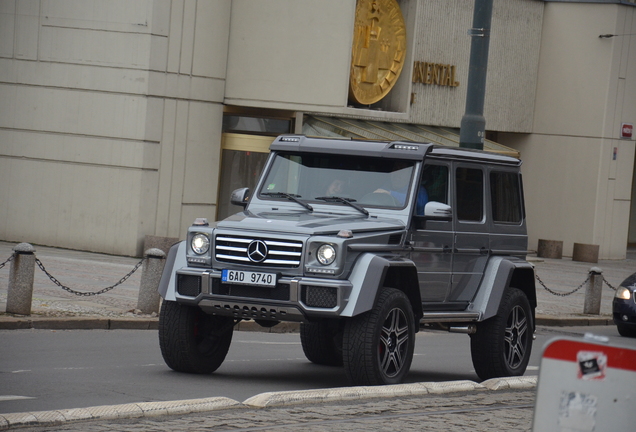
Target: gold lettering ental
434,74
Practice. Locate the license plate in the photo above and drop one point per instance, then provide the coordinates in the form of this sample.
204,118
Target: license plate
249,278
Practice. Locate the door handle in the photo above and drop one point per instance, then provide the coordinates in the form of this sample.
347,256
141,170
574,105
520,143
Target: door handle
467,250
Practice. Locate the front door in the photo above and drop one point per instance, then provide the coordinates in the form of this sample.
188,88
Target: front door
432,240
471,247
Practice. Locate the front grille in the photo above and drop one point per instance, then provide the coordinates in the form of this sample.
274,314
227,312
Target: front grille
320,297
280,292
258,251
188,285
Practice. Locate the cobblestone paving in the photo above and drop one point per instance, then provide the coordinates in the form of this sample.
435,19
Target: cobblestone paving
508,411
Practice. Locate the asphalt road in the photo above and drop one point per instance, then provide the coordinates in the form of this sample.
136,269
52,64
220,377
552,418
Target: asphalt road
46,370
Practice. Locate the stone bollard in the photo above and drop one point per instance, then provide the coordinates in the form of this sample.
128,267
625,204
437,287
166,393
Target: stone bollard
149,298
20,290
550,249
593,292
585,252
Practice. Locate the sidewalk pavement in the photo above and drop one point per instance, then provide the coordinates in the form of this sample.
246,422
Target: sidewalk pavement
460,405
500,404
53,307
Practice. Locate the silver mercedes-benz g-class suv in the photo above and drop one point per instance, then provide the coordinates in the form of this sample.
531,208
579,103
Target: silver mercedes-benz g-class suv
363,243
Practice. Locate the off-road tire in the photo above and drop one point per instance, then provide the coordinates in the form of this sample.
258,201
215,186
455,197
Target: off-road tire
378,345
626,331
321,343
192,341
502,344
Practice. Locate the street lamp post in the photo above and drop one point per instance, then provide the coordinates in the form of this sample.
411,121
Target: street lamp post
473,125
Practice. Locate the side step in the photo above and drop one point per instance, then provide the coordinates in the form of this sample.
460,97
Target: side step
437,317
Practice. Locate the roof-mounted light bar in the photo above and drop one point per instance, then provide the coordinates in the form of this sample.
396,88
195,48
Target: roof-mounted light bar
405,147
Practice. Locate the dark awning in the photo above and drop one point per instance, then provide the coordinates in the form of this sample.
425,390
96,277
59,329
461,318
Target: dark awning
337,127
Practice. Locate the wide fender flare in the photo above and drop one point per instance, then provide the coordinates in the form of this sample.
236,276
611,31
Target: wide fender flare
499,275
368,277
175,260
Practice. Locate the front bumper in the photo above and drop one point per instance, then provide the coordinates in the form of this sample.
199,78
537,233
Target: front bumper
624,309
292,299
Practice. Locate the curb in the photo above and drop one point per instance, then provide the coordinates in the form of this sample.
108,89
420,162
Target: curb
264,400
142,323
551,321
77,323
114,412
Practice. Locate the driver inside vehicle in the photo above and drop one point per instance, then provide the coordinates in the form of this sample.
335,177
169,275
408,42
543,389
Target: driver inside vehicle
335,188
398,187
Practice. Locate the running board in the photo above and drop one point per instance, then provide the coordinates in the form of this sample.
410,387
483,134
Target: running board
434,317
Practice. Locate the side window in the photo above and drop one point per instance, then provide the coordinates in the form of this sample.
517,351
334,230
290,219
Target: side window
506,197
433,187
469,194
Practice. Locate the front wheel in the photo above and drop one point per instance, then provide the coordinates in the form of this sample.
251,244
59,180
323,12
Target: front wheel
626,331
378,345
502,345
192,341
321,343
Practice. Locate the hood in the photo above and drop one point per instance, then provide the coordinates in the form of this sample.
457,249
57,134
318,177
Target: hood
307,223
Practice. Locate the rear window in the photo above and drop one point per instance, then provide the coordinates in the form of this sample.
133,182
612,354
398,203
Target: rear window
470,194
506,197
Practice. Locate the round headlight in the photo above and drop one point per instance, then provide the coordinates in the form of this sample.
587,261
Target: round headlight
326,254
200,244
623,293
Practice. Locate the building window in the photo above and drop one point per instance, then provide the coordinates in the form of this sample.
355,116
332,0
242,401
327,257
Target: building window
256,125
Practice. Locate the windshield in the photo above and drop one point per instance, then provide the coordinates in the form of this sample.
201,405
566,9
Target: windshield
366,181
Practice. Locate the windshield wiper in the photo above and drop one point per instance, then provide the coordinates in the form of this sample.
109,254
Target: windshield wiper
291,197
348,201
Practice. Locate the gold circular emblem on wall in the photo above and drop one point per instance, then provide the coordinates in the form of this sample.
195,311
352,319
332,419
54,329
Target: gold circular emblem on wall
379,47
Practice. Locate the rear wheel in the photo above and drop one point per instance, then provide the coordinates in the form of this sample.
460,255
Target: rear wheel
191,340
502,345
322,343
378,345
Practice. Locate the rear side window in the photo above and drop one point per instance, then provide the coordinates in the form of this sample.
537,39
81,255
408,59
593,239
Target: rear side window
470,194
506,197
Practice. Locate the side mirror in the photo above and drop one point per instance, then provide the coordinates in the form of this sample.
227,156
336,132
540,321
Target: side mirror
438,211
240,197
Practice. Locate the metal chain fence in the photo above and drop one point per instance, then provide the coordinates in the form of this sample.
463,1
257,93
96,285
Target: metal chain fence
609,285
87,294
122,280
564,294
72,291
7,261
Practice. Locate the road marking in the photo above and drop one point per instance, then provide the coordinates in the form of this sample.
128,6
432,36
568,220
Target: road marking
263,360
21,370
269,343
13,397
74,368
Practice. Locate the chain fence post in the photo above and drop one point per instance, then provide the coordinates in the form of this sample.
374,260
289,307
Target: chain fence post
593,292
21,274
149,298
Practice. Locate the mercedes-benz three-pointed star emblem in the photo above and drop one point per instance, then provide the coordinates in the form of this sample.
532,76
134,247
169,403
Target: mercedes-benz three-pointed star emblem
257,251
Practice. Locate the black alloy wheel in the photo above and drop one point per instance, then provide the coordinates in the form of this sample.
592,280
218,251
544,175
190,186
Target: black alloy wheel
502,345
378,345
